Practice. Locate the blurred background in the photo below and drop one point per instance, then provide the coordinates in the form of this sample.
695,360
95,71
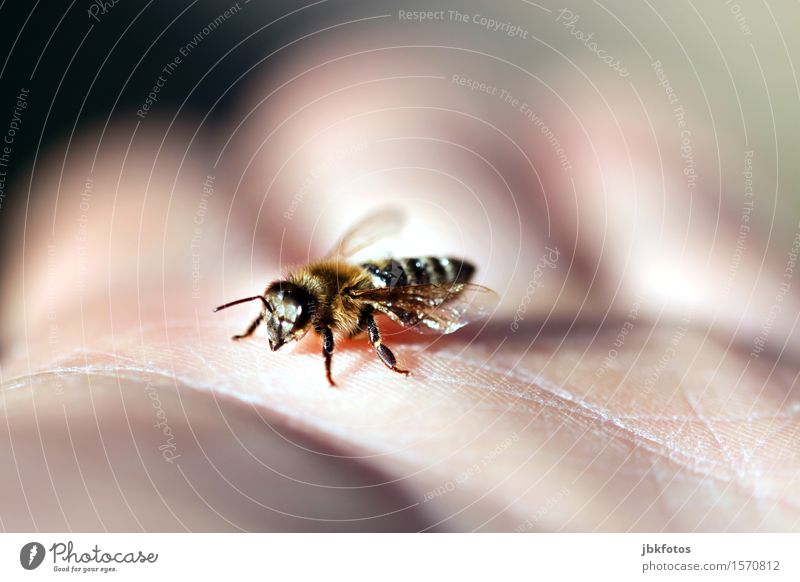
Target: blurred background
651,146
601,162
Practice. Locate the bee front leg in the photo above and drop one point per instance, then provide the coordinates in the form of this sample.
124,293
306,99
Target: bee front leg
385,354
250,330
327,351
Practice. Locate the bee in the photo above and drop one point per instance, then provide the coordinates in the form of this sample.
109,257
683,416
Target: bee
338,297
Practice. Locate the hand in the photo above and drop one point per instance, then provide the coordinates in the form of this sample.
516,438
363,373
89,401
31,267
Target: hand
128,408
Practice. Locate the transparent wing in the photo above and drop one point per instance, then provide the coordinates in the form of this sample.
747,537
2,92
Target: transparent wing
375,227
432,308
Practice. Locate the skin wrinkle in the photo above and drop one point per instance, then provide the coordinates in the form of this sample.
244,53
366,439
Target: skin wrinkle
719,442
592,414
746,457
738,471
758,482
599,419
562,403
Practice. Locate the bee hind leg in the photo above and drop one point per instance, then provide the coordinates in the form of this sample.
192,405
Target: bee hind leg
327,351
250,330
384,353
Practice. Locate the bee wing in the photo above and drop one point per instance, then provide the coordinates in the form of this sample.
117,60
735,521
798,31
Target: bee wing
435,308
380,225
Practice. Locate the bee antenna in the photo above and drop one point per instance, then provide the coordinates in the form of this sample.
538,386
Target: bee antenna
238,301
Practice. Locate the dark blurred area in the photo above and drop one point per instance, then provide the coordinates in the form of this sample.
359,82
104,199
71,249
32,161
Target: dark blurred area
84,64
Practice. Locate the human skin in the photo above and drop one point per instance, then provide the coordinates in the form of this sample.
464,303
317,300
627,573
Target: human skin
126,407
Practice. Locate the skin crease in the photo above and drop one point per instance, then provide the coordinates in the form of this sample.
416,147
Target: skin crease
125,407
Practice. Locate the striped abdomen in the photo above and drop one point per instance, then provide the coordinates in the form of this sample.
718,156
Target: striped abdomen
418,271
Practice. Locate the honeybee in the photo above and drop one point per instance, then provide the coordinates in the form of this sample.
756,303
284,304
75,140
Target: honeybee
339,298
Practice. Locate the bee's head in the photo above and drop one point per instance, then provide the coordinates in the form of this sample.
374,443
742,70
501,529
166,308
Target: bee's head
287,313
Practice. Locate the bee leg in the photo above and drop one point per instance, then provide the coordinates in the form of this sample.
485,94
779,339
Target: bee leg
385,354
250,330
327,351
